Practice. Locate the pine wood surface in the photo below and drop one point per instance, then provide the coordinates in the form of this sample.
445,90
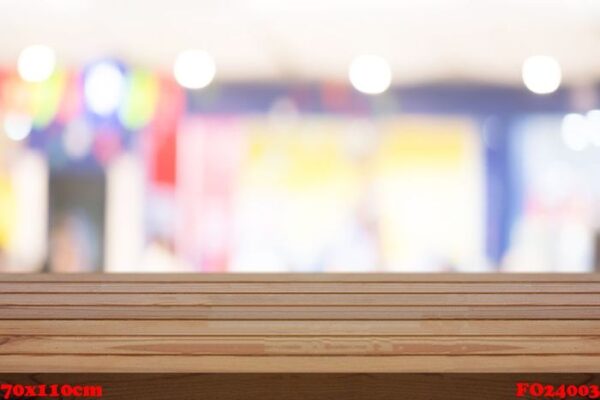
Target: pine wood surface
286,323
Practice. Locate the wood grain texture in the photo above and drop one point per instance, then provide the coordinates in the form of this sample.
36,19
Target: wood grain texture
300,323
521,278
299,345
296,287
282,328
297,364
304,313
294,299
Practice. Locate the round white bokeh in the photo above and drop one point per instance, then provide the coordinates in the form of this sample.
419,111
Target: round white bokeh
370,74
541,74
36,63
194,69
104,88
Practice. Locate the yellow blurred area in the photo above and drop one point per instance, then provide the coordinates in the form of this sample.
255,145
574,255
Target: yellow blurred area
298,158
392,180
7,211
424,143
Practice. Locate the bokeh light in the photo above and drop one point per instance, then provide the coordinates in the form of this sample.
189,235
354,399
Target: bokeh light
78,139
194,69
574,131
104,88
17,126
370,74
593,120
541,74
140,101
36,63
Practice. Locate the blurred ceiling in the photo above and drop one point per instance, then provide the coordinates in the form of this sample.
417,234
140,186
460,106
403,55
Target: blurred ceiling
424,40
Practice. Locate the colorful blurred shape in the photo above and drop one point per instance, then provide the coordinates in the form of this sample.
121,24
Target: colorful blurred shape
140,100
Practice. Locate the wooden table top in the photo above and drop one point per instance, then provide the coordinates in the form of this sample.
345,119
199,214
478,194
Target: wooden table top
300,323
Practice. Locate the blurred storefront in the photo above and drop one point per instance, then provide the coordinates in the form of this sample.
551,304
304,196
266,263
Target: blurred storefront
114,165
281,187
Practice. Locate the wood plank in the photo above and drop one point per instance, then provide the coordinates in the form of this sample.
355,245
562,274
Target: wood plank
332,313
300,277
300,323
298,364
284,328
284,299
299,345
302,287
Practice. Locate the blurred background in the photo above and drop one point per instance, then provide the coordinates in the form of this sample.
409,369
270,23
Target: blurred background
313,136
